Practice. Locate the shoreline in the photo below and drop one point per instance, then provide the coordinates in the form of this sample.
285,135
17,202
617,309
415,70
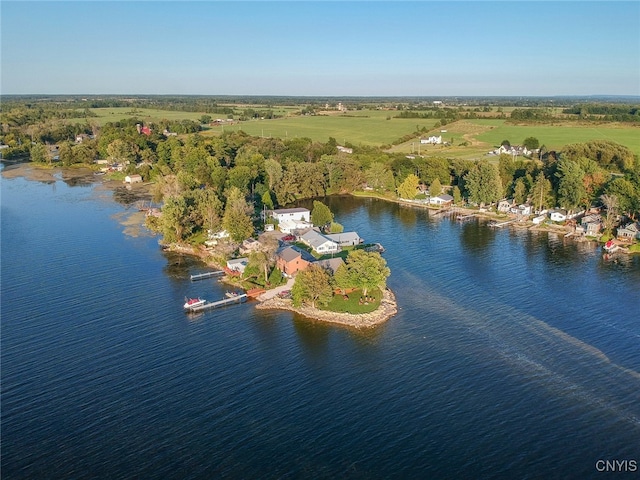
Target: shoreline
387,309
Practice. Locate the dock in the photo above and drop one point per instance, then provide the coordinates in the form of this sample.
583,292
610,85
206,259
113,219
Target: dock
500,224
220,303
202,276
462,218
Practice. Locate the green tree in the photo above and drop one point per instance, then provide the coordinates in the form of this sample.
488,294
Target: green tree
435,188
312,286
237,216
321,214
520,191
273,169
531,143
483,183
175,215
457,196
571,191
542,193
627,194
336,227
365,270
40,154
267,200
408,188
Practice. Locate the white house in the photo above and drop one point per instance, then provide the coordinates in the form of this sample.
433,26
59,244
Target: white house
133,178
237,264
558,215
319,243
441,200
283,214
345,239
505,205
432,140
524,210
291,226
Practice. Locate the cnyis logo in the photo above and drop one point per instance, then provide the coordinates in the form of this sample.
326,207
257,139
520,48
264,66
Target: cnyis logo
617,466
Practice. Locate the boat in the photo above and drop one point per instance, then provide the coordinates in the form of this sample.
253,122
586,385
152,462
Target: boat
231,294
193,302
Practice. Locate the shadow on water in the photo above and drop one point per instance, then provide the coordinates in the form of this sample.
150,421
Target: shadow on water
179,266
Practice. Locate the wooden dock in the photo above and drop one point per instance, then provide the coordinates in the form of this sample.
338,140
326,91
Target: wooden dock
500,224
220,303
462,218
202,276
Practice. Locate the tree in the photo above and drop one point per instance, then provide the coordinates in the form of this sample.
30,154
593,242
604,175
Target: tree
175,215
267,200
520,191
237,216
542,192
408,188
312,285
259,262
483,183
457,196
531,143
336,227
571,191
435,188
365,270
627,194
40,154
321,215
273,170
610,202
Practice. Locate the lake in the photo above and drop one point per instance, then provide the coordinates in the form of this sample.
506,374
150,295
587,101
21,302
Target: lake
514,355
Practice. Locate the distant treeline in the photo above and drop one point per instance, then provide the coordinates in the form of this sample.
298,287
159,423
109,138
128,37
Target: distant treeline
618,113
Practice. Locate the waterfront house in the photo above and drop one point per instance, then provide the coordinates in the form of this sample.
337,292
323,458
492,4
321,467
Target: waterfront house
590,225
558,215
629,232
291,260
443,200
345,239
237,265
505,205
250,245
319,243
135,178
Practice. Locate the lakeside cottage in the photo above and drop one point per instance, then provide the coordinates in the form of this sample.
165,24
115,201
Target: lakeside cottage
443,200
629,232
319,243
295,214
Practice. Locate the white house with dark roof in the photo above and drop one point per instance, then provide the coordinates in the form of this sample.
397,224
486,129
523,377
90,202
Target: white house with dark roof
319,243
441,200
237,264
345,239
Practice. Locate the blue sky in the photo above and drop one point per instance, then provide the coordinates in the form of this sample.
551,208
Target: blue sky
321,48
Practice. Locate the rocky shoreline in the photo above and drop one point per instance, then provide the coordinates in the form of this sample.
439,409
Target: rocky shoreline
387,309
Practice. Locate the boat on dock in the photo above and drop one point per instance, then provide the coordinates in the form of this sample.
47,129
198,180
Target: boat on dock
193,302
240,298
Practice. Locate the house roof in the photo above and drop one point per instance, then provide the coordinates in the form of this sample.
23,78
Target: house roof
238,261
315,239
288,254
344,237
330,263
446,197
283,211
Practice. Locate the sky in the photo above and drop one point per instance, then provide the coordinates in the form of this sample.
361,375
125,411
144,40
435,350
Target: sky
325,48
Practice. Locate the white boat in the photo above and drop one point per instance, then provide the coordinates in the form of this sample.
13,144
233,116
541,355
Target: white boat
193,302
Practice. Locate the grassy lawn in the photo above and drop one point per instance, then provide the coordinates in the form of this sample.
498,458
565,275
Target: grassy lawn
353,304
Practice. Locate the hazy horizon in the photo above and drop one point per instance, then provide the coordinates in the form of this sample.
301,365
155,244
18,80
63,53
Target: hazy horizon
321,49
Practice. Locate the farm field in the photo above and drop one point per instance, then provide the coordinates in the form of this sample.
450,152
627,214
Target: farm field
379,127
366,127
115,114
554,137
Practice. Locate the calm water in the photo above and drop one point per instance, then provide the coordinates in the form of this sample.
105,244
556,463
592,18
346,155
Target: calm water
514,355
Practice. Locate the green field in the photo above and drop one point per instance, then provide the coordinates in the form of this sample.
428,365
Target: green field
378,127
106,115
366,127
555,137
